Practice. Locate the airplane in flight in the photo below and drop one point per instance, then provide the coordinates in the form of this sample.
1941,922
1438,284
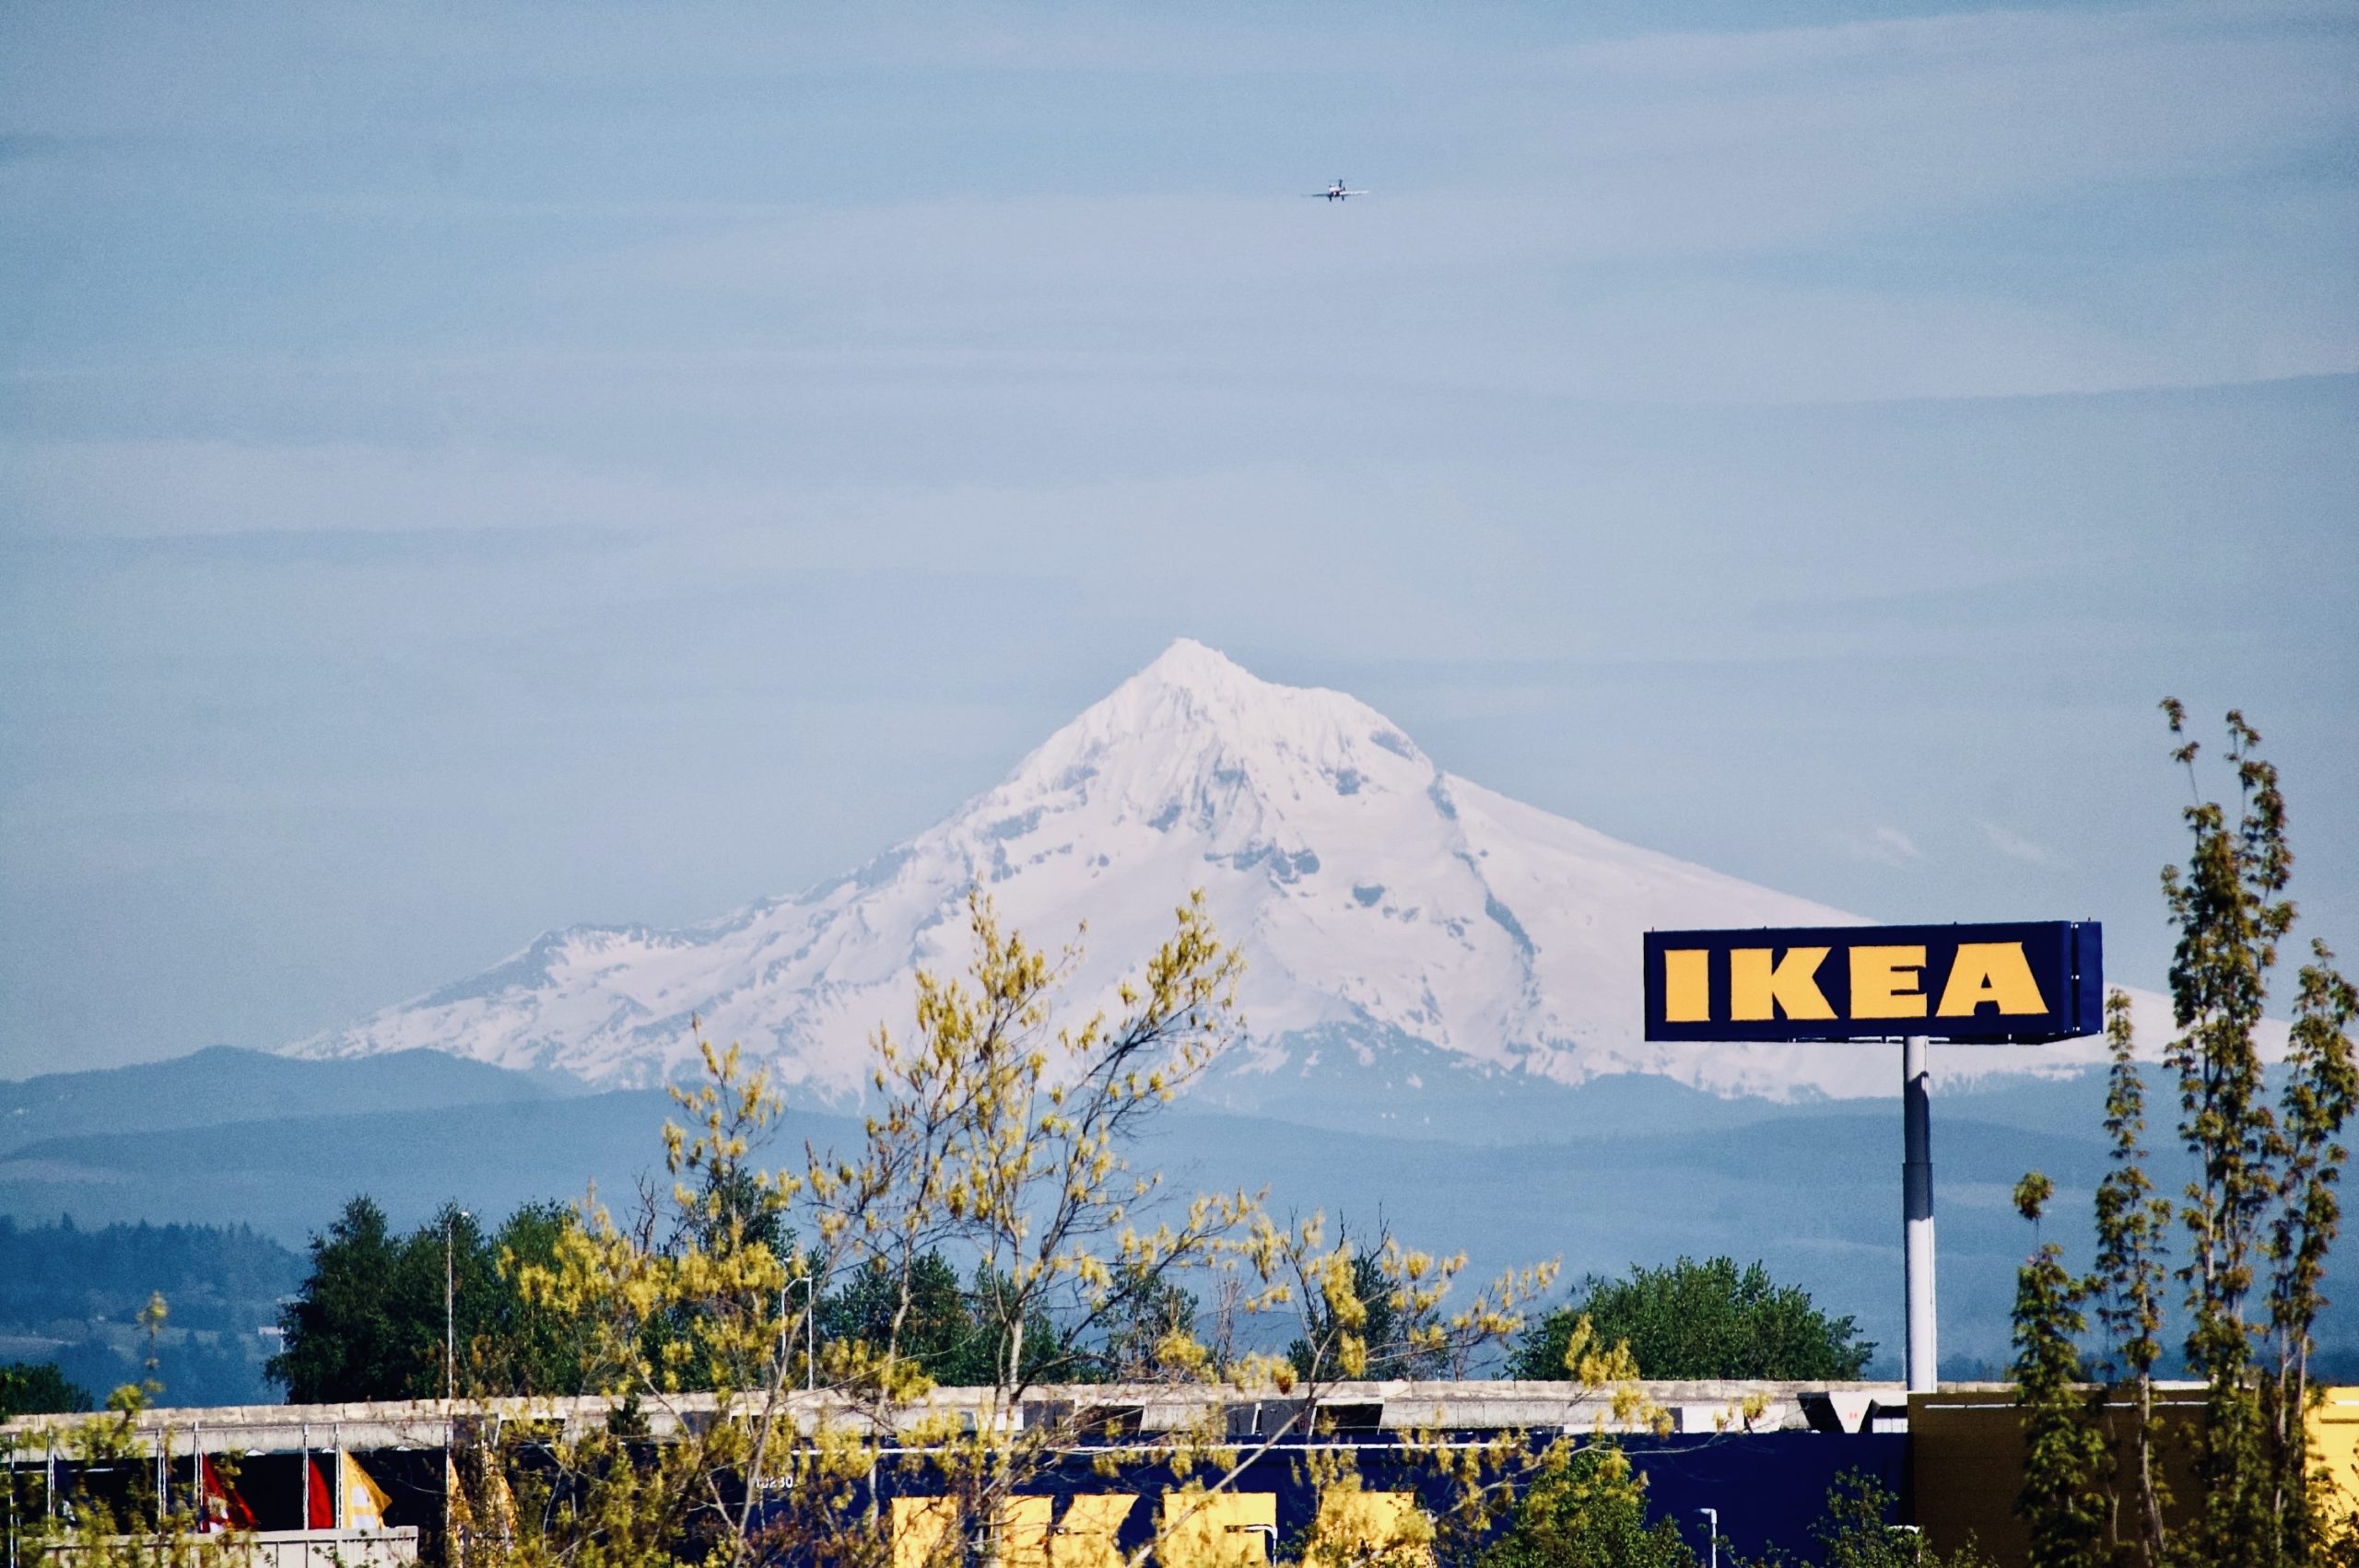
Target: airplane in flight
1335,193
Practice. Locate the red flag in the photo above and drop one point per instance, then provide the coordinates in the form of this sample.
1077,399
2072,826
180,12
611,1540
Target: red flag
319,1512
218,1506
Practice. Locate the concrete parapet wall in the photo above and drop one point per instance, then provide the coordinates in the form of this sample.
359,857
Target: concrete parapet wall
1401,1405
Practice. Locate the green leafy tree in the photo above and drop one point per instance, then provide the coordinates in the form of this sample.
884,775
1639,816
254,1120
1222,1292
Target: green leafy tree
1701,1320
32,1388
1858,1532
1591,1513
516,1345
2064,1497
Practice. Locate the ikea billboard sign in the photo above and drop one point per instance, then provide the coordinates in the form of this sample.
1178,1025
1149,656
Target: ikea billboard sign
1990,984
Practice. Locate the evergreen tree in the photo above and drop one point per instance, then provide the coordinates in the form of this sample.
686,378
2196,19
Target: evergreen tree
345,1334
936,1332
368,1322
1016,1342
1153,1317
1384,1333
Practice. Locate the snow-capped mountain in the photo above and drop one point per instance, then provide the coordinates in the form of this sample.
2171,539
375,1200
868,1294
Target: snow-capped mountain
1394,917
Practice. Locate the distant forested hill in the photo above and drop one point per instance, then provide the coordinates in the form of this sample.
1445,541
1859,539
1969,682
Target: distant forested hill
73,1295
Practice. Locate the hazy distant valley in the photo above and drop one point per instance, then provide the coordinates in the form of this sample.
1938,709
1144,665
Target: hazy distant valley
1635,1168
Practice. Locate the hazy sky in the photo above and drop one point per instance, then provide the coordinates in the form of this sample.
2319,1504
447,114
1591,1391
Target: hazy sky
470,469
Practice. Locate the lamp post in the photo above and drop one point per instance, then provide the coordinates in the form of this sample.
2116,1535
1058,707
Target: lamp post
451,1219
810,1328
1712,1523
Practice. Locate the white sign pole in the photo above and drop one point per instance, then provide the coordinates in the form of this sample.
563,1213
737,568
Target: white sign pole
1917,1212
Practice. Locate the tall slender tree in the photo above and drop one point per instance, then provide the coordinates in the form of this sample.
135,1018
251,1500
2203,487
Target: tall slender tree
2229,906
2131,1278
2259,1217
2320,1084
2064,1496
2265,1192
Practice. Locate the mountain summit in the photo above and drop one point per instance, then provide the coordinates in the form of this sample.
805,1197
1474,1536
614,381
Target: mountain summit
1394,917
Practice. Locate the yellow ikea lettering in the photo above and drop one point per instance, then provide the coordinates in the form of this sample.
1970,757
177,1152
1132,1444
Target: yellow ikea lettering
1355,1525
1086,1538
1687,985
1993,972
1223,1529
919,1526
1886,984
1024,1531
1758,990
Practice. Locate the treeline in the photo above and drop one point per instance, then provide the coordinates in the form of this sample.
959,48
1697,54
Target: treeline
215,1275
369,1321
81,1291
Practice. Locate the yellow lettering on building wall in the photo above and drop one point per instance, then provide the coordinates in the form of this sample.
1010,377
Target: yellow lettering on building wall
1357,1528
919,1525
1229,1530
1758,989
1024,1531
1887,982
1993,972
1086,1537
1687,985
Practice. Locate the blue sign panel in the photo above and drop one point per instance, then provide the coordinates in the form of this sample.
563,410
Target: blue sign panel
1995,985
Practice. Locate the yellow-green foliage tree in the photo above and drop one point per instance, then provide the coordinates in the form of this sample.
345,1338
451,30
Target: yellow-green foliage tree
1001,1132
95,1490
2256,1224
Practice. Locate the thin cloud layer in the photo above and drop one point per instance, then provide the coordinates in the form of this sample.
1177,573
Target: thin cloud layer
434,441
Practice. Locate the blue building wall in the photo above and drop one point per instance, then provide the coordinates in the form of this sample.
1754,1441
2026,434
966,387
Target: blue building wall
1770,1489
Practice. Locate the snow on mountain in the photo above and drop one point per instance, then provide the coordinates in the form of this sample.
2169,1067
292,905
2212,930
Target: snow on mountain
1384,905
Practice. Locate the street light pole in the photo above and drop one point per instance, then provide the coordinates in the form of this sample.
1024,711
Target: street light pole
810,1328
450,1304
1712,1523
